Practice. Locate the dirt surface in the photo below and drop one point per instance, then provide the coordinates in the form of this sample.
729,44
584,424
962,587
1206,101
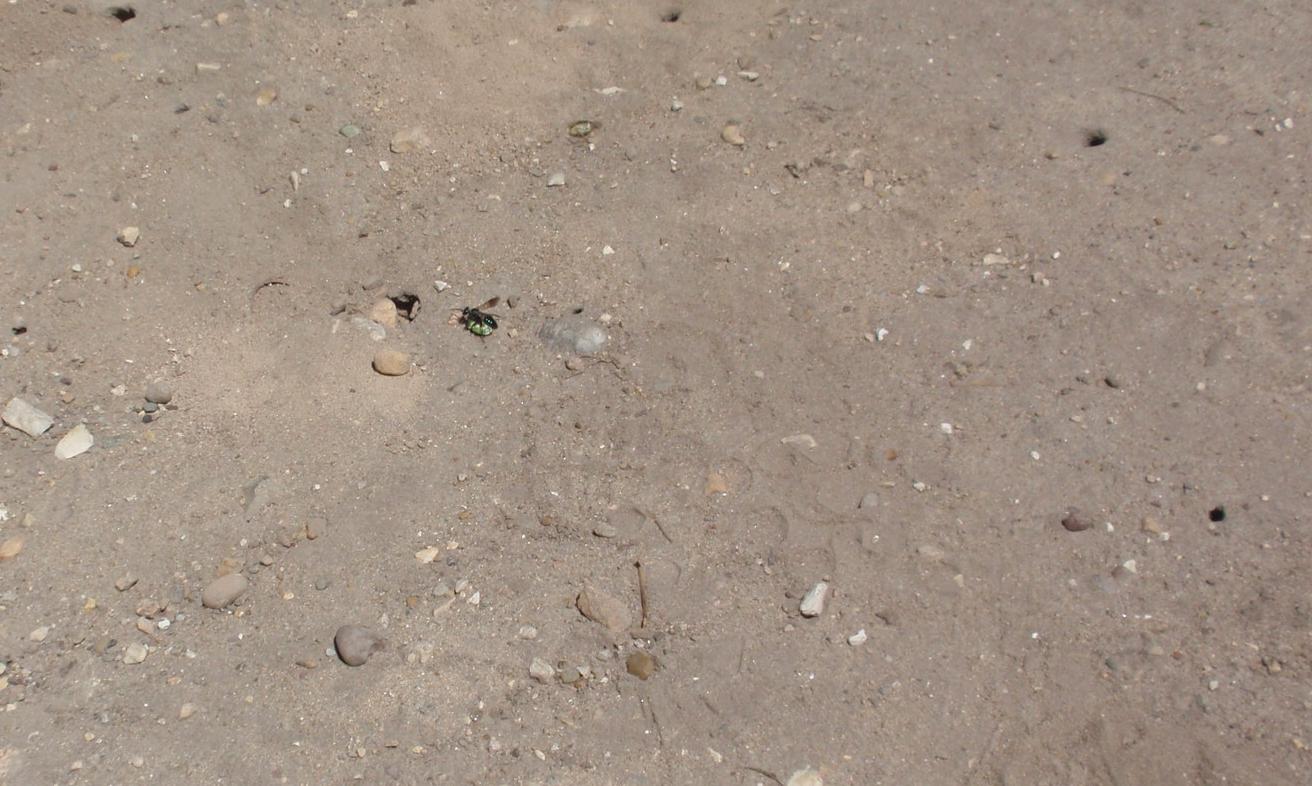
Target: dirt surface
993,316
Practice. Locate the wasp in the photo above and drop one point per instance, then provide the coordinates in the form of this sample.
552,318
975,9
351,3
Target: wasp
479,320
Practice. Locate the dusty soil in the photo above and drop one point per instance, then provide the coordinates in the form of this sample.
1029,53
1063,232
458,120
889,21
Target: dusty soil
973,267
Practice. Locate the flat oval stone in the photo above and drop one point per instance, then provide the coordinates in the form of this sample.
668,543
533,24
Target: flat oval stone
391,363
223,591
159,393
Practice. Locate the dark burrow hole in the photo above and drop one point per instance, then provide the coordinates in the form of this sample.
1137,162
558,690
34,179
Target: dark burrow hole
1216,514
672,15
407,305
122,12
1095,138
20,330
578,310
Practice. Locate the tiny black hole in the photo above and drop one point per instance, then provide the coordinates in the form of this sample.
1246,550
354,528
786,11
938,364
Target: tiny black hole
578,310
20,330
1216,514
1095,139
671,16
122,12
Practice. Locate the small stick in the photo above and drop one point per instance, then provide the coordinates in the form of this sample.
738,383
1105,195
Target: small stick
642,594
273,282
1163,99
661,527
766,773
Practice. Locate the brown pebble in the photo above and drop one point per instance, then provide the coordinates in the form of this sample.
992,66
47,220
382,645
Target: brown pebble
355,644
641,665
1151,525
1075,521
716,484
383,312
606,610
10,548
223,591
391,363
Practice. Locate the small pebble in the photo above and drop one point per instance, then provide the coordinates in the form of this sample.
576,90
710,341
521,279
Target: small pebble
135,653
733,134
159,393
186,711
355,644
813,602
128,236
606,610
349,130
604,531
77,441
527,632
869,501
858,638
11,548
1076,521
391,363
806,777
641,665
39,635
322,583
26,418
408,140
223,591
555,180
383,312
541,671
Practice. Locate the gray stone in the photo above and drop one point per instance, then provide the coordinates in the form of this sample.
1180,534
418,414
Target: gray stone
555,180
26,418
869,501
573,334
159,392
256,494
223,591
135,653
355,644
541,671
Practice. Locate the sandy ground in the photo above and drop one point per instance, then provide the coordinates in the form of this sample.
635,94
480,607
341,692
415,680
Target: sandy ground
995,317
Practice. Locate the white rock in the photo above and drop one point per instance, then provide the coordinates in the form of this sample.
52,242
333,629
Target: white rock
806,777
26,418
996,259
813,603
541,671
77,441
800,440
135,653
858,638
128,236
555,180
